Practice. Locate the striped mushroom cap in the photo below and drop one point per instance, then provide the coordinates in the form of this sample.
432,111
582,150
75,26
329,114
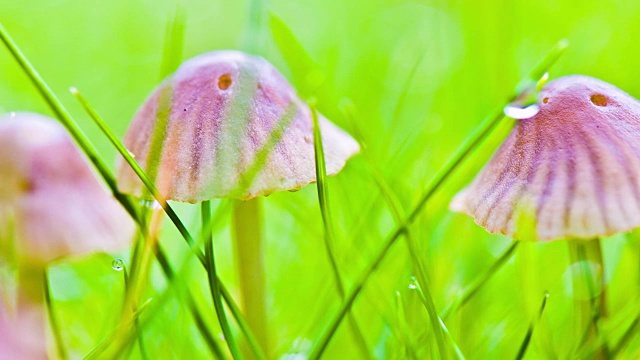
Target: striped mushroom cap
571,171
51,203
227,124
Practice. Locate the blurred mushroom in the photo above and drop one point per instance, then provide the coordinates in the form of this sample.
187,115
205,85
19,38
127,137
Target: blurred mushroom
229,125
51,206
50,197
571,171
23,336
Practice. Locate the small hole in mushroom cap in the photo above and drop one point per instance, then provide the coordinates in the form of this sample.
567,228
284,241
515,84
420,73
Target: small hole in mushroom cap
545,100
224,81
599,100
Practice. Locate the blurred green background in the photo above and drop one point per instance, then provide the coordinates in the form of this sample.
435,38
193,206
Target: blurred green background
420,76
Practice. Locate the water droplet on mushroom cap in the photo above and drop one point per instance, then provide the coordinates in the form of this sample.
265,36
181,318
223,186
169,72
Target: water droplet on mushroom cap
573,168
200,132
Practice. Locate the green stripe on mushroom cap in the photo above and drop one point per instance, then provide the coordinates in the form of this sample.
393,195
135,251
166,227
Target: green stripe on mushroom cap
572,170
227,124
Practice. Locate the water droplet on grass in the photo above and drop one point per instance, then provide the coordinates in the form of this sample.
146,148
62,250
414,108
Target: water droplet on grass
117,264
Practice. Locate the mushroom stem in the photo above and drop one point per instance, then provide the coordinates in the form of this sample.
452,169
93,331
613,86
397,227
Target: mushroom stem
588,289
250,260
31,297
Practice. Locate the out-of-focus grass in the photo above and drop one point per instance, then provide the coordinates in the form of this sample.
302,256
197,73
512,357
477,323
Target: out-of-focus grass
458,61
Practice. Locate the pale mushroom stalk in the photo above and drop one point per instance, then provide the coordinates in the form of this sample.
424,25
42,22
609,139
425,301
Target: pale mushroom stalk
248,234
589,292
30,292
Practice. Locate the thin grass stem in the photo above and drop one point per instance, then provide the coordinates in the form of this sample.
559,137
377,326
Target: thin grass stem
329,237
63,115
214,285
527,338
173,217
136,323
436,182
201,323
174,40
53,319
428,302
476,285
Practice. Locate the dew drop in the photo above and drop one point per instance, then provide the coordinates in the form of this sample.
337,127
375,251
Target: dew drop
117,264
519,112
412,286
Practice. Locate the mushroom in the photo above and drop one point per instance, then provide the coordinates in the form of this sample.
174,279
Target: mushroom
572,171
573,168
19,335
229,125
50,197
51,205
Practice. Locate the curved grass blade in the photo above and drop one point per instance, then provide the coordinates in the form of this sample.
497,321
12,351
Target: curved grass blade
173,40
237,314
463,151
212,276
396,209
425,301
306,72
527,338
65,119
53,319
106,341
472,289
329,238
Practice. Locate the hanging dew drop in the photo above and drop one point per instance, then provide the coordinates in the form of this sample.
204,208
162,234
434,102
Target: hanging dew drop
117,264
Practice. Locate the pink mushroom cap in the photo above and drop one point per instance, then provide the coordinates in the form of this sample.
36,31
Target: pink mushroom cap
51,203
570,171
200,132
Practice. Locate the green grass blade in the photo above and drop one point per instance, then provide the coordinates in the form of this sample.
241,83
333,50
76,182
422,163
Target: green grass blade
253,36
63,115
139,172
396,209
53,319
629,334
306,72
65,119
214,285
97,350
173,40
472,289
527,339
428,302
176,221
463,151
329,238
203,328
